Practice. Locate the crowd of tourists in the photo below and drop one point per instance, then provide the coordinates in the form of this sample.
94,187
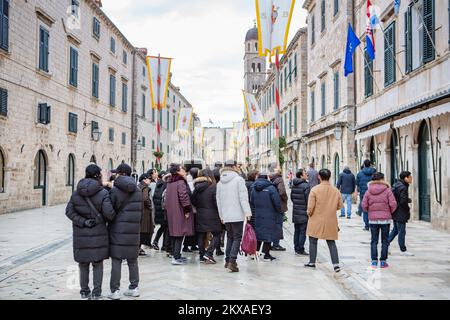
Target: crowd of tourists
205,210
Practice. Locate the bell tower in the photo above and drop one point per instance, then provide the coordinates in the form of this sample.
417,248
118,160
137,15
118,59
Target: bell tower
254,66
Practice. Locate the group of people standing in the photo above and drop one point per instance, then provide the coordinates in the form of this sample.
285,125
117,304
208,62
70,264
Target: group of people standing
194,211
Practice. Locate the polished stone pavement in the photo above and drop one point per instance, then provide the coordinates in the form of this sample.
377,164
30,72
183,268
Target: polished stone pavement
36,263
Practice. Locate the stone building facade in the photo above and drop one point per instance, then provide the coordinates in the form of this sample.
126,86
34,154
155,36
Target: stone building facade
292,89
330,139
403,101
68,93
254,65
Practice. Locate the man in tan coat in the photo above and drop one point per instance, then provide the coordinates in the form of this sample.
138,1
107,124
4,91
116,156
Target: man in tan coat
323,202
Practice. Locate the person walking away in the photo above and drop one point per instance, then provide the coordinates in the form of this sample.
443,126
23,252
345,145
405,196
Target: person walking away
217,167
89,208
159,213
402,214
147,226
190,243
323,202
346,184
179,211
234,208
312,176
251,178
207,217
124,231
299,197
380,203
362,179
277,179
265,202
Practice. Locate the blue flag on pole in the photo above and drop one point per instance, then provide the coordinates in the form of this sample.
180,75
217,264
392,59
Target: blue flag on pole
352,43
396,6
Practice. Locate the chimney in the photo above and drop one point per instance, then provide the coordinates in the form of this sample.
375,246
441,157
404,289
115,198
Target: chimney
98,3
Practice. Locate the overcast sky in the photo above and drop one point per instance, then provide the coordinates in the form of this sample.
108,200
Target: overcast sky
205,38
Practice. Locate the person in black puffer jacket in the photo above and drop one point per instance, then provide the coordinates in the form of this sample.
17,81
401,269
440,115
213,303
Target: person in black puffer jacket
251,178
124,231
208,220
90,234
160,216
299,197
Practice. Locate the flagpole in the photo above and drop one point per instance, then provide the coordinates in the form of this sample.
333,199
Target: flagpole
425,27
371,72
158,124
277,109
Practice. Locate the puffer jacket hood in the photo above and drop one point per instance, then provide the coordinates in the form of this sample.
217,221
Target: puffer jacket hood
201,184
125,184
297,181
261,184
377,187
368,171
88,187
227,175
347,171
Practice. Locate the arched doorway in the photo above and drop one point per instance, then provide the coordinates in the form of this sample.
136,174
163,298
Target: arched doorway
2,172
394,157
337,168
40,174
71,172
93,159
424,178
373,152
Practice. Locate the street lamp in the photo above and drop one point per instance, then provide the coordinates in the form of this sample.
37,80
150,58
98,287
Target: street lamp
96,134
338,132
139,145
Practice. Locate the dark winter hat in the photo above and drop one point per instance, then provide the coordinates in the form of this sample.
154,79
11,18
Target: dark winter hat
93,171
124,169
218,164
144,176
162,174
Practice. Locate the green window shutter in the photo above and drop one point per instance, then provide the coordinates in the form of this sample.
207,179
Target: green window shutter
389,54
295,119
124,97
173,123
43,49
290,72
428,36
95,74
295,66
112,90
408,40
168,120
313,106
4,24
124,138
313,30
323,16
323,98
290,122
160,118
336,91
336,7
143,105
111,134
153,115
3,102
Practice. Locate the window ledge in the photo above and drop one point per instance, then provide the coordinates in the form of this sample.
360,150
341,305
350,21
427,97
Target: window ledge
3,117
72,134
5,53
44,73
96,37
72,87
95,100
42,126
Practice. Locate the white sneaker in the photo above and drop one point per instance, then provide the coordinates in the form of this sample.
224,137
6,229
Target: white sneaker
406,254
132,293
116,295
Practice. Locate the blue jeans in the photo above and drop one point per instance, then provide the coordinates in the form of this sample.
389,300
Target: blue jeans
300,236
375,230
400,230
365,214
347,198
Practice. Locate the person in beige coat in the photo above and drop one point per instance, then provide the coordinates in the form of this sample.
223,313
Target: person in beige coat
323,202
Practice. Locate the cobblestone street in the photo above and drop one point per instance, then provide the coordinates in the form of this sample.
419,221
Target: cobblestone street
36,263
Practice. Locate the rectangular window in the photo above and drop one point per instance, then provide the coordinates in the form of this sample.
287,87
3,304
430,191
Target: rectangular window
143,105
113,45
389,54
4,24
3,102
336,91
43,115
428,31
323,100
322,16
112,90
73,74
168,120
43,49
143,142
313,105
94,127
124,57
124,138
160,118
290,122
290,72
285,125
124,97
153,115
336,7
73,122
368,79
295,66
295,120
95,78
408,40
153,144
313,30
96,28
143,71
75,6
111,134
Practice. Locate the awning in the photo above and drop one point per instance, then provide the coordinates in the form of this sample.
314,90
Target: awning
419,116
373,132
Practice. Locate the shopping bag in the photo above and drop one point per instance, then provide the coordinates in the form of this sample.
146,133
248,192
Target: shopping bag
249,243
